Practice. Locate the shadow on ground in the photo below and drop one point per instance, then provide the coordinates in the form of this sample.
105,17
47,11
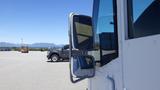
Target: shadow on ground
58,61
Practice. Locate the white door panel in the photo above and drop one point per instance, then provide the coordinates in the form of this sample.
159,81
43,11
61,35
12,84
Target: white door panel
141,62
108,77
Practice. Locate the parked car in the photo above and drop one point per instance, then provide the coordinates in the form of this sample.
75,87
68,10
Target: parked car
58,54
5,49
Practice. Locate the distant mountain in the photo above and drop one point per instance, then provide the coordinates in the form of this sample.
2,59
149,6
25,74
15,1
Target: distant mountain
42,45
34,45
6,44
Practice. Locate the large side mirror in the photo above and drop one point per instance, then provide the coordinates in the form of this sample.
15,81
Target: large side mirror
81,41
81,32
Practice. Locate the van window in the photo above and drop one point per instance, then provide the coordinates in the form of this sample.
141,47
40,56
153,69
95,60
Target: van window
143,18
105,24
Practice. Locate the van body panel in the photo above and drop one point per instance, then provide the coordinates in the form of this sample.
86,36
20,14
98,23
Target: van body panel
141,63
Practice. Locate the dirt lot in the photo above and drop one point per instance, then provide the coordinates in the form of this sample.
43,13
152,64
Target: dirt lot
31,72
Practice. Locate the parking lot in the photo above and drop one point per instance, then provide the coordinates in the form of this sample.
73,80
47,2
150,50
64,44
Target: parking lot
32,72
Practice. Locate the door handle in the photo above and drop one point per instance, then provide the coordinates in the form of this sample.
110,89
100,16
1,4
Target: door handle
112,81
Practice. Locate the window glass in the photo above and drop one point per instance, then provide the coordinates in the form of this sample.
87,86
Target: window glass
104,26
145,19
105,17
139,8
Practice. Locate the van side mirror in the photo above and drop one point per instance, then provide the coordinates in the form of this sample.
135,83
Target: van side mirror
81,40
81,32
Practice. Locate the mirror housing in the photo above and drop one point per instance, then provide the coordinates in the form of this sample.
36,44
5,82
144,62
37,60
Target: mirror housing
81,41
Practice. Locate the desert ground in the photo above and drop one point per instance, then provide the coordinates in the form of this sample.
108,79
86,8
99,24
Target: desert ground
21,71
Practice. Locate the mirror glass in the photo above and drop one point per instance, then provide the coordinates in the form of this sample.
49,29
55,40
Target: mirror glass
83,66
82,32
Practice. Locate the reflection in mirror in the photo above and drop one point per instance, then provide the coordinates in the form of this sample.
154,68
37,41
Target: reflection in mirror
82,32
83,66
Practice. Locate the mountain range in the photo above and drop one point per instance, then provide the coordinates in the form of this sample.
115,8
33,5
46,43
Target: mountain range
34,45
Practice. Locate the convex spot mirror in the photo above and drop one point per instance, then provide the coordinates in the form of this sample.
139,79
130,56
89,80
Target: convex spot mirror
82,66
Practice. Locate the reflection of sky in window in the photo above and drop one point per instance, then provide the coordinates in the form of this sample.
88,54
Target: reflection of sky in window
105,17
105,14
139,7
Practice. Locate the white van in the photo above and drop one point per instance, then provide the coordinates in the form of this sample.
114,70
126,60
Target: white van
119,45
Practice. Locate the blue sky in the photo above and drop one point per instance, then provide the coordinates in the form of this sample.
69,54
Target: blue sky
38,20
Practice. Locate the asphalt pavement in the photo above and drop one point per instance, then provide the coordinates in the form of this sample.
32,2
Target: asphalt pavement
21,71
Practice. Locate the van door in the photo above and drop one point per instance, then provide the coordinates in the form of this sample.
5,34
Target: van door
141,50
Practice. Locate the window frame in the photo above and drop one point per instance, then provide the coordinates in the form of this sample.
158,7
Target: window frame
130,19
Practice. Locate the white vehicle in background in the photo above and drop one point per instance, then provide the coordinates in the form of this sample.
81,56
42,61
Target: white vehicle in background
118,47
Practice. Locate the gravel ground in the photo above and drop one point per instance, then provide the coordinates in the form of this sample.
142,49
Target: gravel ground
32,72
